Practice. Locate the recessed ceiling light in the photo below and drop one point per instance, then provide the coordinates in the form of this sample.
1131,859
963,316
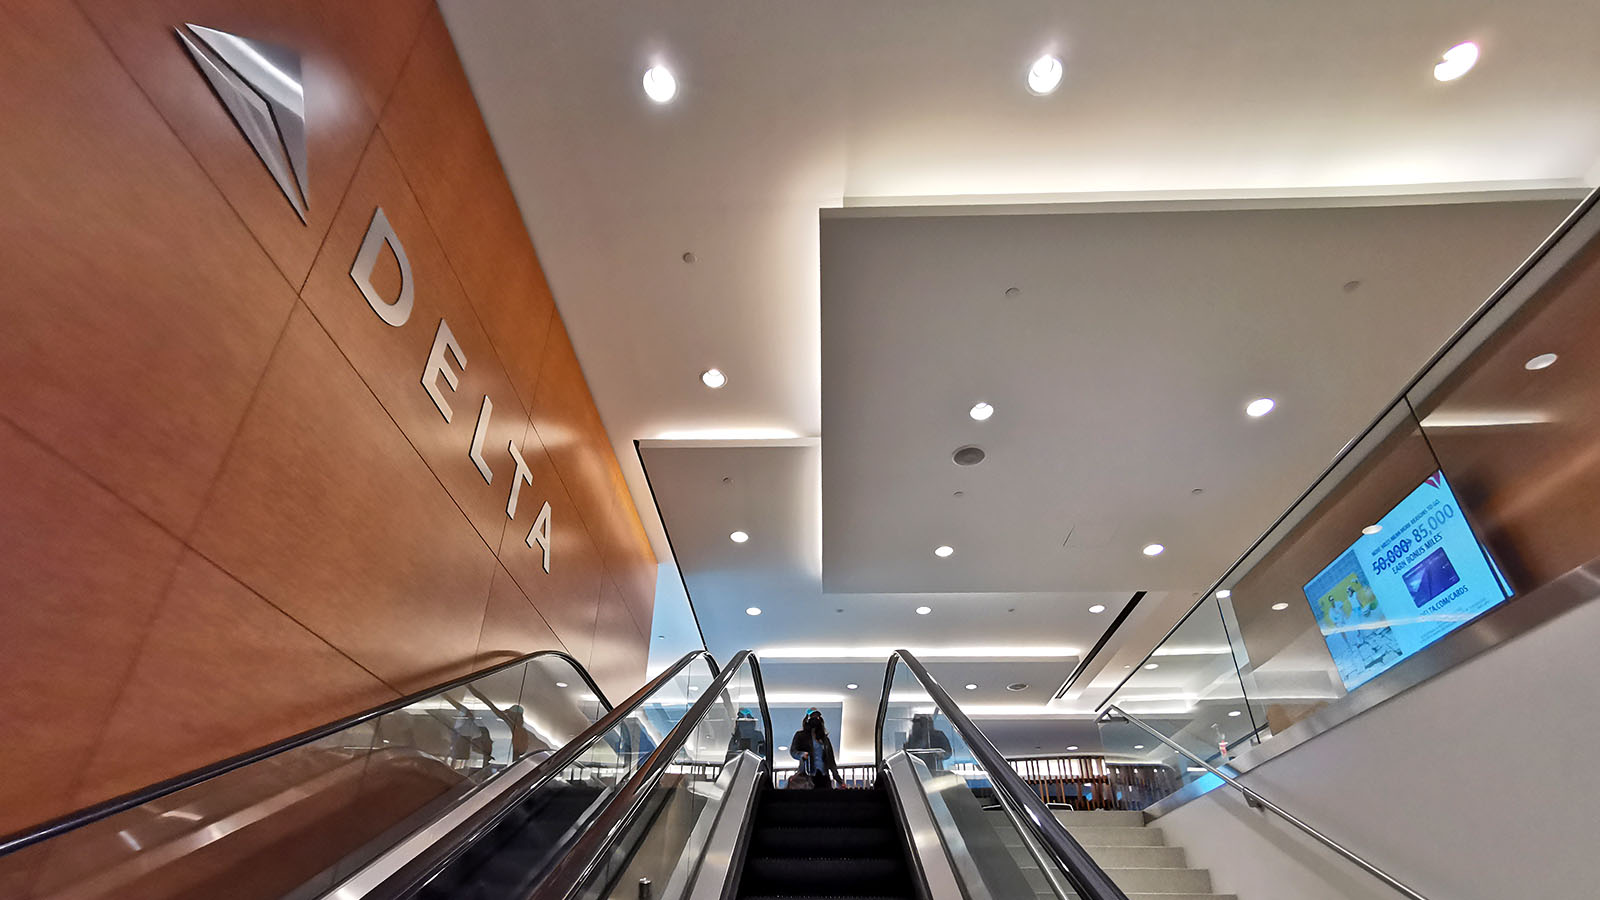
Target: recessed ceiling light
924,610
713,378
1542,361
1017,687
1098,608
1233,713
980,411
1152,665
1153,549
1138,746
1073,747
1280,607
693,688
1044,75
851,686
752,610
561,684
972,687
659,85
1224,594
1259,407
943,550
1457,61
738,537
968,455
1372,529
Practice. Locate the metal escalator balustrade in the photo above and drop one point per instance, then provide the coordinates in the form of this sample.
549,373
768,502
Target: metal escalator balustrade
498,842
292,817
913,747
655,832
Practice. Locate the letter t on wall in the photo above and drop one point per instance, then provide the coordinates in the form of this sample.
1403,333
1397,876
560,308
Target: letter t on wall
523,476
443,340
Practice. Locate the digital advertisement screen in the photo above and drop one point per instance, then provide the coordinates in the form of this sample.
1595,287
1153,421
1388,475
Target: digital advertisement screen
1420,575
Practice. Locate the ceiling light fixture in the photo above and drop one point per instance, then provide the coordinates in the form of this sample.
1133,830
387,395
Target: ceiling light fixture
713,378
1153,549
1017,687
1279,607
659,85
738,537
561,684
1138,746
851,686
752,610
1224,594
972,687
943,550
1542,361
1457,61
1259,407
1233,713
924,610
1098,608
1372,529
1073,747
1152,665
968,456
981,411
1044,76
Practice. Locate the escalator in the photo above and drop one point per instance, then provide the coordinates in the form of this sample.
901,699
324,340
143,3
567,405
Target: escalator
522,782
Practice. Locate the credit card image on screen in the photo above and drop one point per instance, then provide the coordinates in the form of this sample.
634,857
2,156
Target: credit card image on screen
1428,579
1418,576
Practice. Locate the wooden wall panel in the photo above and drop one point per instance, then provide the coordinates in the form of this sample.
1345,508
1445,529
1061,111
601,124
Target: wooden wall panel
511,626
81,574
620,649
215,651
138,311
167,389
350,56
441,141
325,510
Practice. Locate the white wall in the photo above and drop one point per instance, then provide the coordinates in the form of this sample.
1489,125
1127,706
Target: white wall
1481,784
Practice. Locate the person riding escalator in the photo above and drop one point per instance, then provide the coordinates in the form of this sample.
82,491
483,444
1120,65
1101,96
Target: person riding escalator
814,749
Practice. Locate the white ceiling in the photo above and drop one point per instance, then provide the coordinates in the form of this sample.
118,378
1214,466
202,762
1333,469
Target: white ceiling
1120,368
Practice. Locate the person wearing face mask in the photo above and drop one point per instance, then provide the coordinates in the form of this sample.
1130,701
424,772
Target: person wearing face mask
814,749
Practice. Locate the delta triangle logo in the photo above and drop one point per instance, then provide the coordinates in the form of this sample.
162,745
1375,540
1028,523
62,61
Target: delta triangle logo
260,85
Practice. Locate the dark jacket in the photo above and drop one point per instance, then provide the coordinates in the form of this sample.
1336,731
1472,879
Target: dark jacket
801,743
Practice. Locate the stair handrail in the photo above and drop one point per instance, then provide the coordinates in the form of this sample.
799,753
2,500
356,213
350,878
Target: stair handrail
72,821
1113,712
386,878
591,850
1087,878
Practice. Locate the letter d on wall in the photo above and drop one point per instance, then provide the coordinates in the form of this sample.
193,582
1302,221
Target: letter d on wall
380,232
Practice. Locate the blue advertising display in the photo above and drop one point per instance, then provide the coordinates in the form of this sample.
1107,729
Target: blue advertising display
1418,576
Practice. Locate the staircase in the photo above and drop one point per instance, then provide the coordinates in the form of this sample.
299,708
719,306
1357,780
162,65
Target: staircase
1134,854
839,844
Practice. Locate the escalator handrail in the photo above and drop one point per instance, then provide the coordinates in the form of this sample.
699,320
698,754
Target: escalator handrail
27,837
1087,878
417,872
590,852
1115,712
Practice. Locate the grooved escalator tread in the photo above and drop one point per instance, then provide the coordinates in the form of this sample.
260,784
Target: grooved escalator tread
825,845
835,840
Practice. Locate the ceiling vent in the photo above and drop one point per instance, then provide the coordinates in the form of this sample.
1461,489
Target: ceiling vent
969,455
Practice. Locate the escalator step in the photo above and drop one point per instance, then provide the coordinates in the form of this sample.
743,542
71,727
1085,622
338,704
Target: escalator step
840,840
824,876
824,814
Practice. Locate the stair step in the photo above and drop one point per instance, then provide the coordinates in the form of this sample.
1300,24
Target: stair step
838,840
1112,817
1139,857
1115,836
1162,881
